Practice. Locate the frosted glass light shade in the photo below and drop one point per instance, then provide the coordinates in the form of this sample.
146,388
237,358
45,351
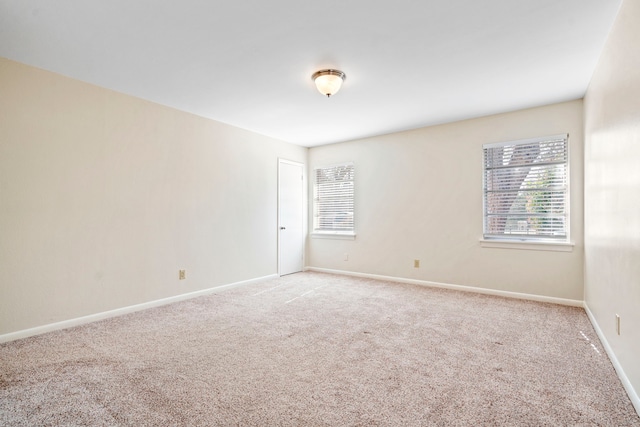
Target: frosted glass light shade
328,82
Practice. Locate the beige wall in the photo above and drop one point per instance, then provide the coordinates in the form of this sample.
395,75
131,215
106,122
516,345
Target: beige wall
103,197
612,186
419,196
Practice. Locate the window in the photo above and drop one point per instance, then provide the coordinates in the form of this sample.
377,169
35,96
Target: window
526,191
333,199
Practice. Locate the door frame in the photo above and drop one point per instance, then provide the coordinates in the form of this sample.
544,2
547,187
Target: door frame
304,211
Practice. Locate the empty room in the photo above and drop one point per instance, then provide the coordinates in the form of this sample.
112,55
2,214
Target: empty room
295,213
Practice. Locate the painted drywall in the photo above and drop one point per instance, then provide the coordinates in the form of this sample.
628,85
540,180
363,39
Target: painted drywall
612,191
419,196
104,197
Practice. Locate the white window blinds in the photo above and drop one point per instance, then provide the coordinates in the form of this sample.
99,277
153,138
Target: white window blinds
526,189
333,199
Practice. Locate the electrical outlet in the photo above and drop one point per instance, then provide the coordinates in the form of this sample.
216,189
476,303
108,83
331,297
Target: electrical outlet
416,263
346,257
182,274
618,324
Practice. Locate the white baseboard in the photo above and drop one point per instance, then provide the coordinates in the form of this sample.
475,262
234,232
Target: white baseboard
508,294
633,395
125,310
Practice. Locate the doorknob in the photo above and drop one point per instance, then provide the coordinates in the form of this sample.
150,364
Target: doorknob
282,228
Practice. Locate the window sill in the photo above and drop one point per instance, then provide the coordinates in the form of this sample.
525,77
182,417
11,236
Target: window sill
337,236
529,246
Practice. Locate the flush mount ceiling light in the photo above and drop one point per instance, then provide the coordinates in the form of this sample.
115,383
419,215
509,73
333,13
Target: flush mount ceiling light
329,81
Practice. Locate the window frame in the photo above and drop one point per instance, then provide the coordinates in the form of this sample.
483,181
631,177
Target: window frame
328,233
532,241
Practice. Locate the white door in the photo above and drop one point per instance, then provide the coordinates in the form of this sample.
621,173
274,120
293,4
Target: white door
290,217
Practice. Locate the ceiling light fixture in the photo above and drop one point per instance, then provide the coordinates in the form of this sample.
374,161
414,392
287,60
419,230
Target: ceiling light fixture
329,81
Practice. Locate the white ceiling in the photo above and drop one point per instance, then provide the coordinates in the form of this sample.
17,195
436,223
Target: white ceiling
409,63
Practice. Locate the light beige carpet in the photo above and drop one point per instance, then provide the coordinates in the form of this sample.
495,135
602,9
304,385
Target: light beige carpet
314,349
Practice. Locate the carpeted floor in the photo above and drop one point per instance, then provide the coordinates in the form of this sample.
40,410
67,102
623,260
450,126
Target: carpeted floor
313,349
